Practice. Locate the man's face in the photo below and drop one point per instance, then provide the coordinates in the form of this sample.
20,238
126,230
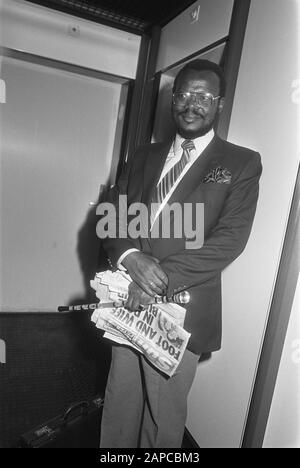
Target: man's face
193,121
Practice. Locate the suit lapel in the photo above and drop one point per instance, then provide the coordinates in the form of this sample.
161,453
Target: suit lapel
193,178
195,175
154,165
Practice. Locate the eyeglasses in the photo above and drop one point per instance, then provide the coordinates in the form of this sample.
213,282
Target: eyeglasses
203,100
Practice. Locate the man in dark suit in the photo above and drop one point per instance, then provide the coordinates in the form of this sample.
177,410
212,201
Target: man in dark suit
143,408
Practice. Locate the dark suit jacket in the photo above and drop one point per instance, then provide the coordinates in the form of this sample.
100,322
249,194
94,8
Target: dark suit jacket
229,213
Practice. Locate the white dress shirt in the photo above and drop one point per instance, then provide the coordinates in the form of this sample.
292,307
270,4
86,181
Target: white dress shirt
173,157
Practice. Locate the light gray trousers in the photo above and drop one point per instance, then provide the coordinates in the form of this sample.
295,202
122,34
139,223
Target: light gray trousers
142,407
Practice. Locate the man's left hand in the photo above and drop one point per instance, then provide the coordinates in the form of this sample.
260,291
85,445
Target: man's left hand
137,297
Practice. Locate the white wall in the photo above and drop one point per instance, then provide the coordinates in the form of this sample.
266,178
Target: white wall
180,38
58,131
56,147
283,428
266,118
45,32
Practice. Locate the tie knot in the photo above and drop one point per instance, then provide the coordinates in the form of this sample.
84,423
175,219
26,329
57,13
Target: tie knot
188,145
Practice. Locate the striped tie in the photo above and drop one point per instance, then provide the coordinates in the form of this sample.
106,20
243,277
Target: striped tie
171,177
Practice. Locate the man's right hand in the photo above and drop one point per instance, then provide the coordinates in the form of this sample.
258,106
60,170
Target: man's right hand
147,273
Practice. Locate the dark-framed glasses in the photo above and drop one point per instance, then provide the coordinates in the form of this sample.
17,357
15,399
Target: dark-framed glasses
203,100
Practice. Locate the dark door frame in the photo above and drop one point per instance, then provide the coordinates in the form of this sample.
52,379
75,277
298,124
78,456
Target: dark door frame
139,132
146,86
145,91
276,330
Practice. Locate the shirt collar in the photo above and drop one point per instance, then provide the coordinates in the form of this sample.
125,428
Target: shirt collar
200,143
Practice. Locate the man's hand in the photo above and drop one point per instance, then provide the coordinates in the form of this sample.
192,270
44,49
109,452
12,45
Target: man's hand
147,273
137,297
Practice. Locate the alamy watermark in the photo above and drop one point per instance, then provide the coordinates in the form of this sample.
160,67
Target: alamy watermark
134,221
296,352
2,352
296,91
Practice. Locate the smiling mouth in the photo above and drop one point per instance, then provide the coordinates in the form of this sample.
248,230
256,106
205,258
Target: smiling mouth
187,120
190,120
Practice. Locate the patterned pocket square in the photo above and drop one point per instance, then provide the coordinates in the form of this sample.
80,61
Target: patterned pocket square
218,176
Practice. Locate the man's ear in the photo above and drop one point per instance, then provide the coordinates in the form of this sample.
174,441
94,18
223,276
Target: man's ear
221,105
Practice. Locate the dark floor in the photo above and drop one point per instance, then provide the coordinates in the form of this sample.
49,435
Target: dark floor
52,361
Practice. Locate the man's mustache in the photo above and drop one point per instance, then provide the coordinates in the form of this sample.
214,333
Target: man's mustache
192,113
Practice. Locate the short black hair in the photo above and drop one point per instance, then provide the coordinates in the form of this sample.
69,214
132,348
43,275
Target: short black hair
204,65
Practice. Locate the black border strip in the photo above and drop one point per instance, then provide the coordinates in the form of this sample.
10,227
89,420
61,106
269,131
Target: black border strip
232,60
276,330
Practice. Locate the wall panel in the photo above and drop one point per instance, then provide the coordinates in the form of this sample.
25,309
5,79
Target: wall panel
48,33
180,38
266,118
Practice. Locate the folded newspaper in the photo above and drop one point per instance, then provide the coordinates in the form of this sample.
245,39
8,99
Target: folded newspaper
156,331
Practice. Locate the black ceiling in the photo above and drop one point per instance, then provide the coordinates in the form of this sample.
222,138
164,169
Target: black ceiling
138,16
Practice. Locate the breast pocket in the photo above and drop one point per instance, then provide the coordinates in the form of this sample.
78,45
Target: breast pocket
214,196
214,186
